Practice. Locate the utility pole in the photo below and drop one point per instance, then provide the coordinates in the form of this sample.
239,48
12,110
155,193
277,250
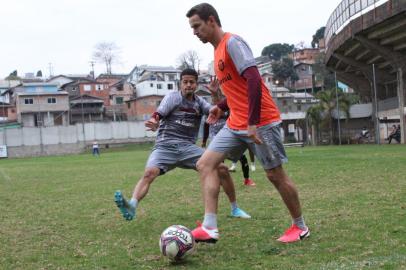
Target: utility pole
338,110
92,64
377,129
50,70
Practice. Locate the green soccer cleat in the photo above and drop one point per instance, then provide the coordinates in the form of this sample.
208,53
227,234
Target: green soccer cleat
126,209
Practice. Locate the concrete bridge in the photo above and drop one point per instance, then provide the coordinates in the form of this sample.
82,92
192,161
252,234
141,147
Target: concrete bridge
366,47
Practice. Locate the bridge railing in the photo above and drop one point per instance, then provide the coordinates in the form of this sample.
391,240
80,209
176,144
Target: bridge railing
346,11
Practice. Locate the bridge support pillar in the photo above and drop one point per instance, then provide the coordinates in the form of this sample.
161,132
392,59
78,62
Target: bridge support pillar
401,96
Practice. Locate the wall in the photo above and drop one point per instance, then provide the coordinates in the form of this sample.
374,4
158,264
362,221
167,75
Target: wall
60,140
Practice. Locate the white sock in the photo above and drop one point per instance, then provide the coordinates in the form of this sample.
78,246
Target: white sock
210,221
133,202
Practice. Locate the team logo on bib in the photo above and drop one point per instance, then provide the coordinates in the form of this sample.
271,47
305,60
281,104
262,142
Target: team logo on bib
220,65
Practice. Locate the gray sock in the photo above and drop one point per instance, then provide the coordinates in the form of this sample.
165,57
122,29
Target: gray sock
300,222
234,205
210,220
133,202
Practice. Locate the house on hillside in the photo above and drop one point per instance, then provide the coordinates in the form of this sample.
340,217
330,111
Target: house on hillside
154,80
41,104
141,108
119,92
151,84
61,80
86,108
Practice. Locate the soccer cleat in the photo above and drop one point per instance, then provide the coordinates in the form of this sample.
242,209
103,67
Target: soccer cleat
293,234
239,213
206,235
126,209
232,168
249,182
253,167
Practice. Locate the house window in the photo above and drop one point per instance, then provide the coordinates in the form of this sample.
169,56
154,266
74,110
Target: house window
87,87
119,100
170,86
52,100
128,105
151,85
299,107
159,86
28,101
74,89
171,77
99,87
284,103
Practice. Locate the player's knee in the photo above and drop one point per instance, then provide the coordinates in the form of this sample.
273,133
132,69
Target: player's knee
150,175
202,166
275,175
222,170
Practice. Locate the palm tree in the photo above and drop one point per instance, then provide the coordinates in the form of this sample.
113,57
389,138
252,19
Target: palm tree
314,117
327,105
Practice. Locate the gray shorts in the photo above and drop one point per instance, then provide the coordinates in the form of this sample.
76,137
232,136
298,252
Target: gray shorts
233,144
169,156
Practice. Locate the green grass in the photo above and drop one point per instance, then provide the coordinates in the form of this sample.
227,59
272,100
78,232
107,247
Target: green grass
58,213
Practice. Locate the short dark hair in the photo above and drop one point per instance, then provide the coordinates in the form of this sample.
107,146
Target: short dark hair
204,10
189,71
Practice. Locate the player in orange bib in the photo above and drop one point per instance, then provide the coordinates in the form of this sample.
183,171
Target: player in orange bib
254,123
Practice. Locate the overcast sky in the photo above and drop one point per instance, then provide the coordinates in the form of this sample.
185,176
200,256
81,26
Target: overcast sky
154,32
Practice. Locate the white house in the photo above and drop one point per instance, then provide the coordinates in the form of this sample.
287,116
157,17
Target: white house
154,80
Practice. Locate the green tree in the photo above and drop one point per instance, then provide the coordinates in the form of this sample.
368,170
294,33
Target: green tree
276,51
284,70
322,74
314,118
317,36
39,73
13,76
328,104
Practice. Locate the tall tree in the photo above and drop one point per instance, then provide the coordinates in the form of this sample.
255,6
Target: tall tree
317,36
322,74
284,70
39,73
13,76
276,51
328,103
107,53
189,59
314,117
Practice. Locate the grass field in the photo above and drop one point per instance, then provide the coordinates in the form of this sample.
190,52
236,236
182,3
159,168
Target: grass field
58,213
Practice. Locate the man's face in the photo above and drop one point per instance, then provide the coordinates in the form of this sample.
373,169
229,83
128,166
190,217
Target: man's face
203,30
188,85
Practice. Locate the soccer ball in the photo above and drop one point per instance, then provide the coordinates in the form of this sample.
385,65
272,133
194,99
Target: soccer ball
176,242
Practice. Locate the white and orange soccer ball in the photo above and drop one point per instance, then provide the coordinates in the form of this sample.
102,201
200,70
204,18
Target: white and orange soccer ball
176,242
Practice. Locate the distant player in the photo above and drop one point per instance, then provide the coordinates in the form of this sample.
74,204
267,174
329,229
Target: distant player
211,130
254,122
178,120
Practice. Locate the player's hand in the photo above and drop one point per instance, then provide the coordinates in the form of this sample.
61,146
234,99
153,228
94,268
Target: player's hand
214,115
252,133
213,86
152,124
